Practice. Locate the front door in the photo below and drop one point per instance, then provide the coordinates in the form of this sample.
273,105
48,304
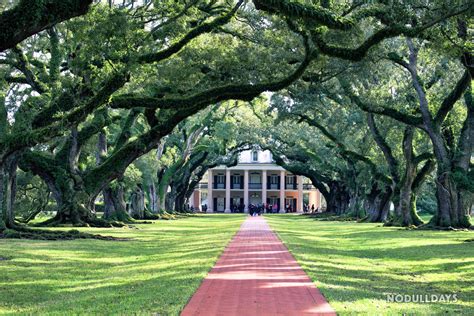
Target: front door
273,201
220,204
291,202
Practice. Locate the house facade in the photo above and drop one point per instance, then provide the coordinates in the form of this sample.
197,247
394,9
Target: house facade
255,181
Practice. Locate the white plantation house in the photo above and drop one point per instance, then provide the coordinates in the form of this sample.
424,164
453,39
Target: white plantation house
255,180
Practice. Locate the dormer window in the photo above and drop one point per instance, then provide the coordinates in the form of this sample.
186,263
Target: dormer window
254,156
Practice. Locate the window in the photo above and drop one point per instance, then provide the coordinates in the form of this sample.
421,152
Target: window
255,178
254,155
220,178
236,179
274,182
219,181
274,179
290,179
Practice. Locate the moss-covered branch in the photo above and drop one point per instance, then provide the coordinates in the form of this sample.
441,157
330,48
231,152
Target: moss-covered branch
23,65
101,119
317,179
456,93
420,177
169,118
78,111
215,95
320,15
341,148
382,110
384,147
46,125
176,47
29,17
393,30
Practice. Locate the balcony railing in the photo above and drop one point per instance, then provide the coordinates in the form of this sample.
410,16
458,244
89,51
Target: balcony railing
238,186
273,186
257,186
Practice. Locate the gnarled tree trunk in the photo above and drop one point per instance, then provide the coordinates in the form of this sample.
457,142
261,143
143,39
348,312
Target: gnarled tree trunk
378,206
115,207
339,198
2,197
137,203
153,198
114,201
8,191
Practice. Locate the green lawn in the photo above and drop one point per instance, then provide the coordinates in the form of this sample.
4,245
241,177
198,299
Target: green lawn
155,273
355,264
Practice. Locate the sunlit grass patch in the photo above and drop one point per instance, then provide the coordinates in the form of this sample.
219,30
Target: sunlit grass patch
355,265
155,272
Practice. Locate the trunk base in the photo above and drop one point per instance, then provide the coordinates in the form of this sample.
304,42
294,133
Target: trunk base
119,216
148,215
439,223
79,221
400,222
23,232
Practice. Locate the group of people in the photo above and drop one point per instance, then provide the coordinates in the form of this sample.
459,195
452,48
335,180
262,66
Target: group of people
255,209
307,209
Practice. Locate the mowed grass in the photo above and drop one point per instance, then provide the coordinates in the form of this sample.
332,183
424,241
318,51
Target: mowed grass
155,273
355,265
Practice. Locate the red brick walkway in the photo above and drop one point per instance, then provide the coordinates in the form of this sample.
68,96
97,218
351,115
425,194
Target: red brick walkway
256,275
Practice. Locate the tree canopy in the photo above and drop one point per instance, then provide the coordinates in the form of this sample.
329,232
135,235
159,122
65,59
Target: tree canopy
131,102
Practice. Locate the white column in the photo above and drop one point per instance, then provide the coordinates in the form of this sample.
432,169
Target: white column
210,200
246,191
299,203
227,191
264,188
318,199
282,191
313,199
191,200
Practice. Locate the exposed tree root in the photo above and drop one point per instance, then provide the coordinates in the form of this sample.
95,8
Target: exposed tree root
398,222
143,222
30,217
319,215
58,221
119,216
331,216
437,223
150,216
431,226
21,232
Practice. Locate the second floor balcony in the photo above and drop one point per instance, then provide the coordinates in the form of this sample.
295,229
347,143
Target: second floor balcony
256,182
273,186
237,186
255,186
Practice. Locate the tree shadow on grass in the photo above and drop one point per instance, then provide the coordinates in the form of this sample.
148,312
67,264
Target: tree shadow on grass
156,272
355,265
